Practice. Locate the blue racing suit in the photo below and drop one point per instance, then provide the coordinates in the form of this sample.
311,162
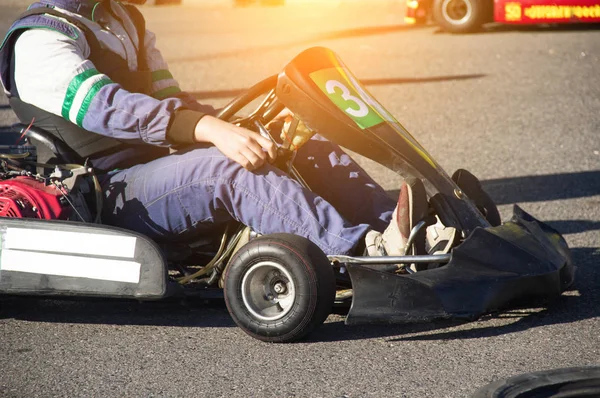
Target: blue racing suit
95,79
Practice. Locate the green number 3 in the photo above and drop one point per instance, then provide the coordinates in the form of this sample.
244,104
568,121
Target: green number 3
363,109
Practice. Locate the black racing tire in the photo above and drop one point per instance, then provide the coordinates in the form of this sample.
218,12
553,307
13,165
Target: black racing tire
484,202
461,16
568,382
279,287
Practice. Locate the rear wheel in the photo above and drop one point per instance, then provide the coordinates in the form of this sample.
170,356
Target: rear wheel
279,287
461,16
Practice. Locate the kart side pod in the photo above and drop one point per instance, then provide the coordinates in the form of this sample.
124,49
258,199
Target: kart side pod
61,258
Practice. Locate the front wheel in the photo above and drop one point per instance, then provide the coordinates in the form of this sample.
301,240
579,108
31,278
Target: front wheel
279,287
472,187
461,16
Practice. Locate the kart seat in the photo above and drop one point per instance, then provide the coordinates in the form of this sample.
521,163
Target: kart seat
62,152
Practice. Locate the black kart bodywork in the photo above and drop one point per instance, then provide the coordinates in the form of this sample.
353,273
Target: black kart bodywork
491,265
492,268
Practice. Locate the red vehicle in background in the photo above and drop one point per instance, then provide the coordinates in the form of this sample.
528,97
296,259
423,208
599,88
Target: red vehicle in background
462,16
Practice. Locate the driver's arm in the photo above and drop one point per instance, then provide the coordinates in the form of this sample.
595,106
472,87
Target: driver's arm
53,73
247,148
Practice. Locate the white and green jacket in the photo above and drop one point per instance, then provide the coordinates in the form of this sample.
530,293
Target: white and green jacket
83,61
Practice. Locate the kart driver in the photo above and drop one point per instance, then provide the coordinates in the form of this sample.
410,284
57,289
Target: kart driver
89,72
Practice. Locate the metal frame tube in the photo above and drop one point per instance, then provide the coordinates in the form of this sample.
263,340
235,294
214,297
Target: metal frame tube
433,258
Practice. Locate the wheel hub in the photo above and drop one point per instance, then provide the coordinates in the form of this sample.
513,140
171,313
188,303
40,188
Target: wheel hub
279,288
457,11
268,291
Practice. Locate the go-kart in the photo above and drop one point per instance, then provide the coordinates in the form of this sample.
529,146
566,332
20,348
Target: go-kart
279,287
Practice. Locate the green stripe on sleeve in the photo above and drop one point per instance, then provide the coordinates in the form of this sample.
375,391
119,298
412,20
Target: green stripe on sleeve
161,74
165,92
72,90
89,97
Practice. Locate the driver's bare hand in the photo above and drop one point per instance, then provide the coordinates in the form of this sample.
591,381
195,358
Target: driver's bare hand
248,148
284,115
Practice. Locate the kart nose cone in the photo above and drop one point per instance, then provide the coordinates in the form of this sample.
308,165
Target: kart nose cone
490,269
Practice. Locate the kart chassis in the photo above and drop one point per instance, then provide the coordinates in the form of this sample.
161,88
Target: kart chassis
279,287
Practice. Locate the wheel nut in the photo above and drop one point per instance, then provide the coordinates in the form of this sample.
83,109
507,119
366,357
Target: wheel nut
279,288
459,193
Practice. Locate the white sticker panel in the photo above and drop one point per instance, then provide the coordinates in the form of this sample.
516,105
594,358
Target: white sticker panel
85,243
75,266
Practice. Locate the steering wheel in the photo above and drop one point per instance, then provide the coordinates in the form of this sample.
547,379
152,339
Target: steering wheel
264,113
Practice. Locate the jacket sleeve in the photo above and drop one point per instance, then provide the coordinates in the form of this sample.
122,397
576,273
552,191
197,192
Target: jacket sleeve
53,73
164,84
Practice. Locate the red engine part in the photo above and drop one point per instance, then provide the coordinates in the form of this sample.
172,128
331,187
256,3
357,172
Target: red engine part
25,197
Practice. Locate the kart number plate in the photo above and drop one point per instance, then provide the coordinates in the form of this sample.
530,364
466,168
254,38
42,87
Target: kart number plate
345,91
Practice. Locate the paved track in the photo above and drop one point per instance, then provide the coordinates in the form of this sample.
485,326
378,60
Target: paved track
520,108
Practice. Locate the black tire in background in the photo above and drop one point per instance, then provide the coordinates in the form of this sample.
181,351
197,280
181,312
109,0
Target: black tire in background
279,287
558,383
461,16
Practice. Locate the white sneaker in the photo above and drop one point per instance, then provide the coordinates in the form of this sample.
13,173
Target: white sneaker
439,238
389,243
412,208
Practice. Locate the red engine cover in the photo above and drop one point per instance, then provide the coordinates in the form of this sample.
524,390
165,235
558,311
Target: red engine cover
24,197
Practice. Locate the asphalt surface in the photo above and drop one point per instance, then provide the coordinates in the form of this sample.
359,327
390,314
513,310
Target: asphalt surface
520,108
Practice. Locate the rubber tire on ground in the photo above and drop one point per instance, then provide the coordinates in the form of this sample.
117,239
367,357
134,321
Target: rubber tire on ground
312,276
567,382
481,10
